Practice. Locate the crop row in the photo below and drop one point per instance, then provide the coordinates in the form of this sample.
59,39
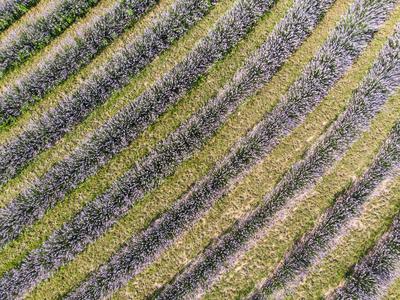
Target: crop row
19,45
100,214
140,250
377,86
11,10
70,54
125,127
99,85
378,268
346,206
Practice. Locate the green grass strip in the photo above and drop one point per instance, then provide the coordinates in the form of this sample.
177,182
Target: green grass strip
123,158
117,166
157,199
375,219
233,279
111,107
136,218
50,100
393,292
263,258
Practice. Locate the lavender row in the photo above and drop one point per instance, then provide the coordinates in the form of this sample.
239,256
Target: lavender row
103,212
71,54
99,85
316,242
376,270
12,10
141,250
124,128
368,99
39,33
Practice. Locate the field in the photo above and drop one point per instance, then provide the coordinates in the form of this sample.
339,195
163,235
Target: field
200,149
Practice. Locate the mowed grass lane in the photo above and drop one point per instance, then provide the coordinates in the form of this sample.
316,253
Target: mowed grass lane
175,53
146,283
241,273
128,227
203,91
375,219
73,50
116,167
120,98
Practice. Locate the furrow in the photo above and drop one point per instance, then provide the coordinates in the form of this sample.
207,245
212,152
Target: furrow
120,131
17,45
70,54
12,10
117,201
99,85
317,241
159,235
376,269
377,86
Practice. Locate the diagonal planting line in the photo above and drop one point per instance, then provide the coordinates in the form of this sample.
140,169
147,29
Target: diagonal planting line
99,85
16,46
12,10
125,127
317,241
140,251
70,54
246,192
109,207
144,210
377,86
393,289
103,212
378,268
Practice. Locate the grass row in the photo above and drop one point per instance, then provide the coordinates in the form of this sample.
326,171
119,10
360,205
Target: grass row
117,166
137,213
69,55
290,111
376,217
129,260
125,127
346,206
381,81
119,99
145,176
97,88
12,10
393,291
39,31
374,271
203,91
261,259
